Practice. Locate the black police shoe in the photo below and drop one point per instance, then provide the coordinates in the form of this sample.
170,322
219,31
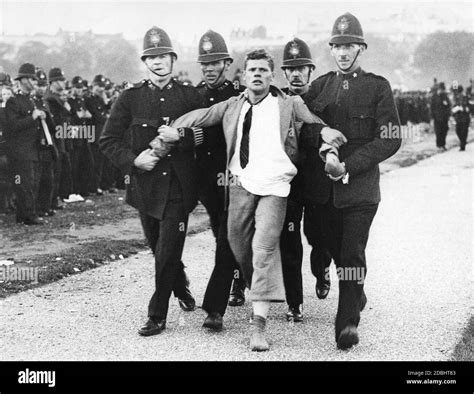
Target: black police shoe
33,221
295,313
322,289
57,205
348,338
187,301
237,294
152,327
213,321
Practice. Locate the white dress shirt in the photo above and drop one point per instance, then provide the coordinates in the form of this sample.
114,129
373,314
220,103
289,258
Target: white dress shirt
269,170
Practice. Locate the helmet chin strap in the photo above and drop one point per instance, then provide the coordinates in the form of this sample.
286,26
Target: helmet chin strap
217,79
309,76
30,86
348,68
162,75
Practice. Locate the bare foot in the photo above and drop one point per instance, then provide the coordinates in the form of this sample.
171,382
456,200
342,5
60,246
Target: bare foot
258,343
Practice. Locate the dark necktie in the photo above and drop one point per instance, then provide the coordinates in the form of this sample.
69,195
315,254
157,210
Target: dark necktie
244,143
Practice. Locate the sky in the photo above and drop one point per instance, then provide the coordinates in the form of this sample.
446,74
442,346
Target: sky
186,21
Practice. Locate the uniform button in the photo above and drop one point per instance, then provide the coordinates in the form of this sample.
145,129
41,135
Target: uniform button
165,173
162,99
169,154
209,153
211,99
144,125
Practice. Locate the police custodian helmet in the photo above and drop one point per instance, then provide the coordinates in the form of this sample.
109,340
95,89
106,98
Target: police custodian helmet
212,48
297,54
347,30
41,77
27,70
157,42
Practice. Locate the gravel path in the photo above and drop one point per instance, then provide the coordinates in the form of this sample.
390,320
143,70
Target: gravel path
418,286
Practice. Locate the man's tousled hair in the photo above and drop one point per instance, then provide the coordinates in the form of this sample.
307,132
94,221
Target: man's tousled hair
259,54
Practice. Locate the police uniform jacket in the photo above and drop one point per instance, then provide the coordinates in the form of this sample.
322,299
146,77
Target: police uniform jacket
78,104
297,184
211,155
46,152
62,119
361,106
440,107
23,132
3,132
99,110
132,125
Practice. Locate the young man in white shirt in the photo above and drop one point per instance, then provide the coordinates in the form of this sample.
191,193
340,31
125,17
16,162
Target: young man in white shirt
262,149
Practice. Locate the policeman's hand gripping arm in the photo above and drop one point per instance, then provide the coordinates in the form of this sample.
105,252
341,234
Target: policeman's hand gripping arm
146,160
168,134
333,137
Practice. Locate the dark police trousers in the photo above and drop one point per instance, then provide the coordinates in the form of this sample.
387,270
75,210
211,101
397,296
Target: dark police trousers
62,176
346,231
292,253
292,249
103,170
462,129
225,270
26,177
46,186
313,229
82,163
166,239
441,130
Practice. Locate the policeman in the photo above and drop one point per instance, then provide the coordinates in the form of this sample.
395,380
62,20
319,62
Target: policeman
297,67
462,116
5,79
161,186
361,106
23,144
6,184
441,111
60,112
48,153
215,61
97,105
82,161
